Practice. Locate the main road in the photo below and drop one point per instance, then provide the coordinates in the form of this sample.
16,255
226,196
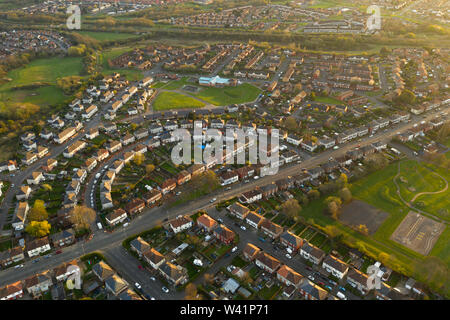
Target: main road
104,241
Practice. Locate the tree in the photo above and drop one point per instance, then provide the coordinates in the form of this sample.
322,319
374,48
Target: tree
313,194
139,158
82,217
333,206
47,188
38,229
346,195
191,292
38,212
343,180
363,229
291,208
291,124
208,278
149,168
246,278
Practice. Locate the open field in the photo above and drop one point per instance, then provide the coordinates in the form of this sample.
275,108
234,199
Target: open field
229,95
36,82
360,213
107,36
328,100
418,233
174,100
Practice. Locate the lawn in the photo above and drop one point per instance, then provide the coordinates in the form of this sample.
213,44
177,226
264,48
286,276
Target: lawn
268,293
174,100
328,100
229,95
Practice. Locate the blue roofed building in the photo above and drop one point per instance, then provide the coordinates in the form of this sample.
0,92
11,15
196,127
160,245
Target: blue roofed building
216,81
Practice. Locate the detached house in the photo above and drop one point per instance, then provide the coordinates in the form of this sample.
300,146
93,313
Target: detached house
176,275
39,283
115,284
24,193
102,271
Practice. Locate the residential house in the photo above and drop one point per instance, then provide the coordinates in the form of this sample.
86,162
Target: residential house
291,241
254,219
206,222
181,223
20,215
271,229
139,246
267,262
335,266
116,217
36,178
38,284
223,234
37,246
289,277
312,253
250,251
176,275
168,186
250,196
358,280
11,256
12,291
238,210
102,271
63,238
135,206
153,258
23,193
311,291
115,284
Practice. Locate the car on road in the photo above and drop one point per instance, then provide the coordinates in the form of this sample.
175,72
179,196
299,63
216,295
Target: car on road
165,289
332,282
13,185
243,228
311,277
153,278
329,288
256,177
36,260
19,266
47,256
125,224
262,239
220,220
212,200
151,298
178,193
234,249
58,252
138,285
228,188
288,256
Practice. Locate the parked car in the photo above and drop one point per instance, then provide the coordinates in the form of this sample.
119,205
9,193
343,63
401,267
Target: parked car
140,267
138,285
243,228
309,268
213,200
311,277
153,278
234,249
58,252
288,256
165,289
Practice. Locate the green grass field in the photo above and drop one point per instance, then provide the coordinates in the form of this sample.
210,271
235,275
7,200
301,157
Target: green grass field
174,100
229,95
328,100
42,74
107,36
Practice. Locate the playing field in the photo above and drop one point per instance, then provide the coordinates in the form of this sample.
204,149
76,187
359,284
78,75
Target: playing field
173,100
418,233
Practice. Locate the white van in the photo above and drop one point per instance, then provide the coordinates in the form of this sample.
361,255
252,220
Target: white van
341,296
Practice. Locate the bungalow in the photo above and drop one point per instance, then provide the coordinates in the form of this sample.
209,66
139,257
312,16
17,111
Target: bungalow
335,266
289,277
181,223
254,219
271,229
115,284
63,238
206,222
168,186
176,275
223,234
37,246
291,241
238,210
36,178
139,246
153,258
267,262
312,253
311,291
116,217
102,271
134,206
251,251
